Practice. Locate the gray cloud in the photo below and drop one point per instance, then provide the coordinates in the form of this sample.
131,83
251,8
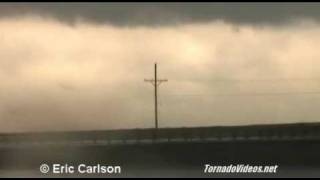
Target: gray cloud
131,14
90,76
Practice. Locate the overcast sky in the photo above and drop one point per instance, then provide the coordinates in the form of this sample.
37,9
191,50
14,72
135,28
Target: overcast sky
135,14
81,66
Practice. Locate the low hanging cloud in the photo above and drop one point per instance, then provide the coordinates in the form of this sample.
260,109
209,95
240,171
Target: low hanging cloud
165,14
56,76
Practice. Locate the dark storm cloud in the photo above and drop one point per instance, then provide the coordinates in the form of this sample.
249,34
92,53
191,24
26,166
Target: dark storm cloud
166,13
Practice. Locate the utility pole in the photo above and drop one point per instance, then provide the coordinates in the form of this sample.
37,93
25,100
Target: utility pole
155,82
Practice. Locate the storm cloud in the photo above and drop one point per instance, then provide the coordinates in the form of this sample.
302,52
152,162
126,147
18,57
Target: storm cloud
82,76
161,14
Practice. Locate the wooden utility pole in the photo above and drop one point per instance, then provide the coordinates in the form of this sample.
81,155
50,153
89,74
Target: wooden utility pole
155,82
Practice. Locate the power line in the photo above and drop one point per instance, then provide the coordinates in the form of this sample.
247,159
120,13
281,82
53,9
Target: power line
279,79
250,94
262,80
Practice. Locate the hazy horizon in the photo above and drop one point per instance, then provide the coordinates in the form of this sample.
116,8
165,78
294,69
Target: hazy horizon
82,66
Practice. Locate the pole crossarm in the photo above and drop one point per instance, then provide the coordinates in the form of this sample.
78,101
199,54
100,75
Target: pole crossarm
161,81
152,81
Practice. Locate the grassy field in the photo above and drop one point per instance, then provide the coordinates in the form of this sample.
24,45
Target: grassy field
295,158
293,147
